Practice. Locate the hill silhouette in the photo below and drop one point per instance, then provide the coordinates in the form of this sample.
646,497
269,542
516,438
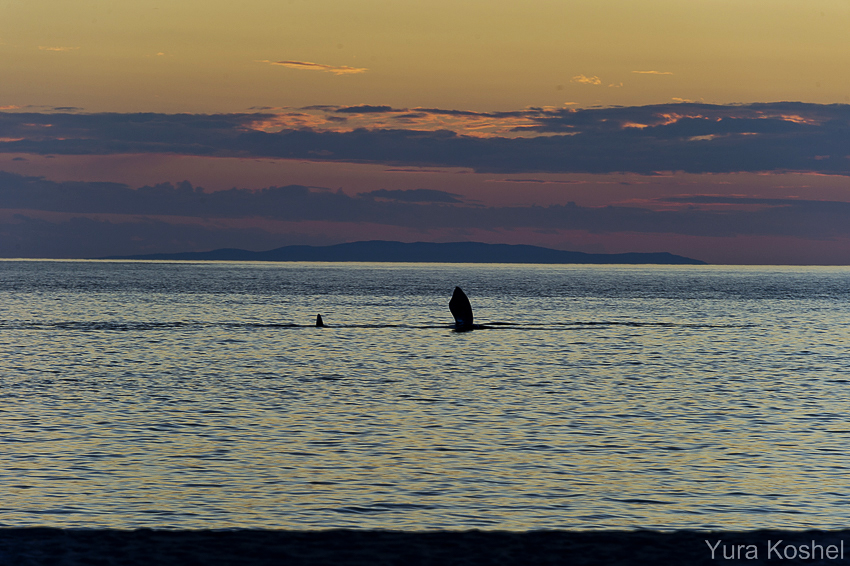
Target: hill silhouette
423,252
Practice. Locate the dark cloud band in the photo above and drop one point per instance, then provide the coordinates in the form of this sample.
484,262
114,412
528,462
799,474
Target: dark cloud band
694,138
430,209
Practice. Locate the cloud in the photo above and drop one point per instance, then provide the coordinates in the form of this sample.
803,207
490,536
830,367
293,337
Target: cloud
413,195
380,117
306,65
594,80
46,48
653,72
696,215
364,109
690,137
539,181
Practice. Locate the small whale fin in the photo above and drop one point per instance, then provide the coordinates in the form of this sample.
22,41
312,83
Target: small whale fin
461,310
319,322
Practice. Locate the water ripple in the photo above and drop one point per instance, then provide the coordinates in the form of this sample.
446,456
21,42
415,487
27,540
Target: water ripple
183,396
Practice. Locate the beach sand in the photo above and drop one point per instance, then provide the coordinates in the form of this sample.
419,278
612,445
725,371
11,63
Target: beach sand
42,546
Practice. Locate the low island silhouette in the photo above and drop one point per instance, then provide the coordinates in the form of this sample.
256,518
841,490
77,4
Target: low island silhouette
423,252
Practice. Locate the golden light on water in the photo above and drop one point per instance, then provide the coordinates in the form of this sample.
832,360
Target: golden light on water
157,397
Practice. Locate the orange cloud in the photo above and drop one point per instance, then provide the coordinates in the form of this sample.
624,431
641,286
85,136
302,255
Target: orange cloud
797,119
673,117
45,48
594,80
291,121
306,65
653,72
468,123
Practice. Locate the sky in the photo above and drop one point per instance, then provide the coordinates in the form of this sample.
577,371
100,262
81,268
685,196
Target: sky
711,129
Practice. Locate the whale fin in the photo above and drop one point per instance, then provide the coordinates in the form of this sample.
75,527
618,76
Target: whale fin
461,310
319,322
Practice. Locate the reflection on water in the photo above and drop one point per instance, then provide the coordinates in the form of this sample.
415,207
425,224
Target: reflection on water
202,396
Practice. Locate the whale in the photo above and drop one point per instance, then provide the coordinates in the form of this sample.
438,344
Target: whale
458,305
461,310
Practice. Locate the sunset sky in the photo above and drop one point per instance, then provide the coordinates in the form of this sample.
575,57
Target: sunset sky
712,129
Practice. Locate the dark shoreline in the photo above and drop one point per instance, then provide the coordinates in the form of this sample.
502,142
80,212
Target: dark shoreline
37,546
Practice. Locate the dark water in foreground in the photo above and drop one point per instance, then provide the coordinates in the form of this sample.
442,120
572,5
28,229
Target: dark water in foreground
201,396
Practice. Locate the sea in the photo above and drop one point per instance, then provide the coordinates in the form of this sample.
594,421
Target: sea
201,395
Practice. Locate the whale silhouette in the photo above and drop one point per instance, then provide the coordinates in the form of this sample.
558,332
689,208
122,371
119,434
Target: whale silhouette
461,310
458,305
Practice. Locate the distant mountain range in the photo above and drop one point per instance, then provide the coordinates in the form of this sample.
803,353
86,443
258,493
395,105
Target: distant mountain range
455,252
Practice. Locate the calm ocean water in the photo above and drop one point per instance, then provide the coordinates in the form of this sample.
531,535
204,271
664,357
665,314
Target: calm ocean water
200,395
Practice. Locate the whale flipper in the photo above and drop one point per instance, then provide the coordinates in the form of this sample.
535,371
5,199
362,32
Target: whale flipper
319,322
461,310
